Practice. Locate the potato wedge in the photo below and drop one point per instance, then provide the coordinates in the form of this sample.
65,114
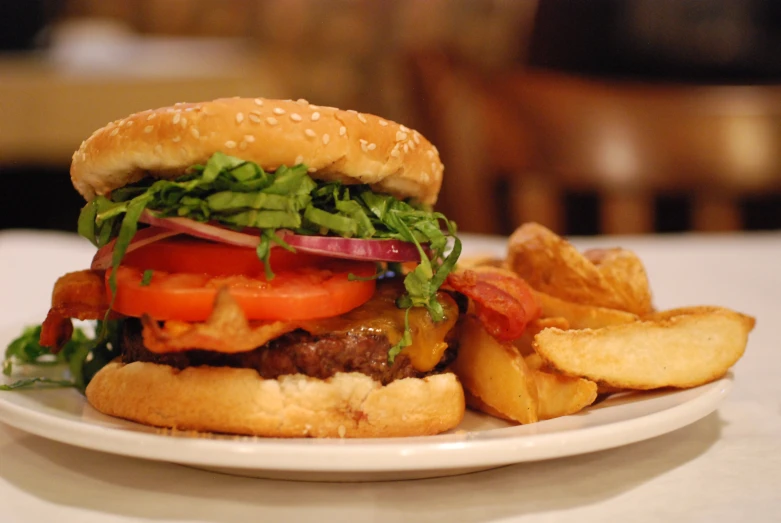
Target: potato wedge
562,395
684,350
696,309
524,343
552,265
480,260
559,395
495,373
580,316
475,403
626,273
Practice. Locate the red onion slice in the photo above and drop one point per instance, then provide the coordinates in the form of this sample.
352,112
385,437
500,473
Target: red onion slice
355,248
201,230
102,258
335,247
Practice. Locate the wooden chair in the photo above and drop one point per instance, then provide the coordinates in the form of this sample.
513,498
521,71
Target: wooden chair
537,134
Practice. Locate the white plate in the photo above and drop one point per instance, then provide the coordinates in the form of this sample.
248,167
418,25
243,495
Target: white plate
479,443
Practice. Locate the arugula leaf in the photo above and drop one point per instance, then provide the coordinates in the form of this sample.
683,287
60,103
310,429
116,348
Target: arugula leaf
83,355
27,383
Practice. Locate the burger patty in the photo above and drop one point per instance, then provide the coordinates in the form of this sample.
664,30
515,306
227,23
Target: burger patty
297,352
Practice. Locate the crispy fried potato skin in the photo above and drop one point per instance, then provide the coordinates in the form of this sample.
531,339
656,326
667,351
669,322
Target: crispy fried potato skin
495,372
581,316
683,348
615,279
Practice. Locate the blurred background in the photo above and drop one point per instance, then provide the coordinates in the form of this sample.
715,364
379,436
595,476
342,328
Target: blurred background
598,117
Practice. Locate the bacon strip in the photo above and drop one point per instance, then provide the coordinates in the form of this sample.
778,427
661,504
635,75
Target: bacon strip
504,304
227,330
80,295
56,331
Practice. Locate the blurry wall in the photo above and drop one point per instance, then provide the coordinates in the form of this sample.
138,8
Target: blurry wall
69,66
337,52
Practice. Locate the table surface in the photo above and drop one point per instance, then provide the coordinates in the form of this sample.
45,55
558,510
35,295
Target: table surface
726,467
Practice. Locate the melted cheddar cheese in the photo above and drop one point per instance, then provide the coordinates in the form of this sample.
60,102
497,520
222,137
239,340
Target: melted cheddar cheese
380,315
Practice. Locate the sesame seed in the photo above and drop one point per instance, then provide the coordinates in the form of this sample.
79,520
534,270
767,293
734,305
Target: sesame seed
434,166
129,123
395,153
310,133
176,139
383,123
372,146
299,159
151,116
230,144
239,117
302,101
404,128
400,135
326,139
115,131
177,117
313,107
425,176
416,137
271,120
255,117
258,102
315,116
430,153
342,130
279,110
170,110
122,123
149,128
196,134
362,118
364,146
411,145
250,138
184,122
243,145
406,148
295,117
353,111
311,170
83,157
158,149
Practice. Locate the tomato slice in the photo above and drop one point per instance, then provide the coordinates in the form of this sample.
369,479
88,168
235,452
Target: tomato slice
188,273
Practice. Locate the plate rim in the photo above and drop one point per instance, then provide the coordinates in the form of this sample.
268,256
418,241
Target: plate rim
362,455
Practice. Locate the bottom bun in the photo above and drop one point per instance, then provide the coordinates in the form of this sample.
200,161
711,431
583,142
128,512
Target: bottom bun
239,401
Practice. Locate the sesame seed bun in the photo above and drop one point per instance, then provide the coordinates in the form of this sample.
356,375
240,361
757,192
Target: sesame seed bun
239,401
334,144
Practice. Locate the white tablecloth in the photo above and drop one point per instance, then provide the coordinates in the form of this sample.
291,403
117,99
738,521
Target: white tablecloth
726,467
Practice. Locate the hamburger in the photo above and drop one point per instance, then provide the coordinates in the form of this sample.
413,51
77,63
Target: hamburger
266,267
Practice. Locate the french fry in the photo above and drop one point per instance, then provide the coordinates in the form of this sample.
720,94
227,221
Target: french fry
495,373
524,343
552,265
562,395
683,348
580,316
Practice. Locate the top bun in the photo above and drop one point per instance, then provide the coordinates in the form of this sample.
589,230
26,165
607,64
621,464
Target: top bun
334,144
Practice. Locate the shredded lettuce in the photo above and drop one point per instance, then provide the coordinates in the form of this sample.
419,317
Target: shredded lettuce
239,194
